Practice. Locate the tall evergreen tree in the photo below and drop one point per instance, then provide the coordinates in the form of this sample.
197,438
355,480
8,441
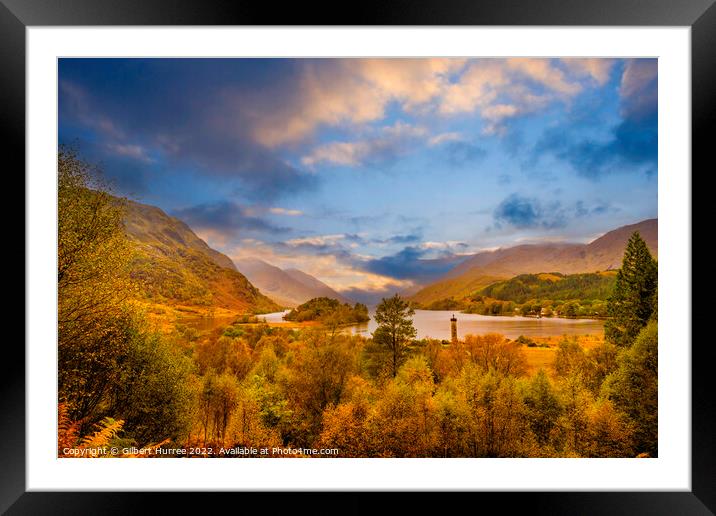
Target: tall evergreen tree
632,302
395,329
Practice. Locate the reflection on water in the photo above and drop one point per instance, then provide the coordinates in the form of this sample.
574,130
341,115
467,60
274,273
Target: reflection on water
436,324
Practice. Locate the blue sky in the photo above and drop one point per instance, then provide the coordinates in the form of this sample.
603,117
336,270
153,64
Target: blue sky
374,175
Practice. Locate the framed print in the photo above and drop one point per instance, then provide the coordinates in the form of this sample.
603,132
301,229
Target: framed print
421,256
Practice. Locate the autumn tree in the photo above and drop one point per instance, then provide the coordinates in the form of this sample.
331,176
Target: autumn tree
395,328
493,351
94,327
632,302
452,418
93,254
570,358
404,423
109,363
224,354
320,369
496,413
609,433
576,401
347,426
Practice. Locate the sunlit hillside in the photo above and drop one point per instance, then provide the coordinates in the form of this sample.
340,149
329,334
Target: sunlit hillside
175,267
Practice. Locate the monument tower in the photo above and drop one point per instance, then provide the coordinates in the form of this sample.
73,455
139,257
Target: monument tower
453,328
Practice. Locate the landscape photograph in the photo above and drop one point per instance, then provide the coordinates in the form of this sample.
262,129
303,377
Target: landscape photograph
357,258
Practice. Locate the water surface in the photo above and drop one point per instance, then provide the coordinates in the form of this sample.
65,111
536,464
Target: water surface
436,324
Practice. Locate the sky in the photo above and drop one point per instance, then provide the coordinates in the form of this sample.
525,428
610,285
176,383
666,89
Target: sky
373,175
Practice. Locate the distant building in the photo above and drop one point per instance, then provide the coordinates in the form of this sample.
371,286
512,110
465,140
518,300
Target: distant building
453,328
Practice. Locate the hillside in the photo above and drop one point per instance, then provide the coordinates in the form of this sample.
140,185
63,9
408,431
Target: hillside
478,271
318,288
175,267
555,286
290,287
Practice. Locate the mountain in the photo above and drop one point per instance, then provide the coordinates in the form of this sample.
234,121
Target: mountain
175,267
290,287
482,269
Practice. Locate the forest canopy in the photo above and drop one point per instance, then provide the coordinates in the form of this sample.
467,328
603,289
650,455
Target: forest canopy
544,294
329,311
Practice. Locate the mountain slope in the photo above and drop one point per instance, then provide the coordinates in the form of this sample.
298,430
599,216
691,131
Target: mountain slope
553,286
604,253
289,287
318,288
175,267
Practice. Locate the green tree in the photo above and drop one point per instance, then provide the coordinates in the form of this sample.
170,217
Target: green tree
632,302
152,393
395,327
633,388
543,407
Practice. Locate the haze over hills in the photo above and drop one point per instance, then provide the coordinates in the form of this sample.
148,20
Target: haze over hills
484,268
289,287
175,267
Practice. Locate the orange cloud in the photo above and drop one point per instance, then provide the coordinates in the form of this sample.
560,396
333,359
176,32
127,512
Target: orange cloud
596,68
388,143
346,92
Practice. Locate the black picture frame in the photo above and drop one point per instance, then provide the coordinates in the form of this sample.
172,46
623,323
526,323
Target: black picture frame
700,15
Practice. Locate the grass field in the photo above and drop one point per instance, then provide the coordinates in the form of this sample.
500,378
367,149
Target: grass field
543,357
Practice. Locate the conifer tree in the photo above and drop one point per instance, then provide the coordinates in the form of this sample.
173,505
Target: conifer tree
632,302
395,329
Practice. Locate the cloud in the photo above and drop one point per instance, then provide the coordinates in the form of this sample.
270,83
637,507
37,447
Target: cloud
334,92
598,70
523,212
527,212
447,248
390,143
75,103
458,148
410,264
349,92
335,269
631,145
245,120
226,218
544,72
477,88
445,137
460,153
501,89
400,239
130,151
285,211
322,241
639,88
188,128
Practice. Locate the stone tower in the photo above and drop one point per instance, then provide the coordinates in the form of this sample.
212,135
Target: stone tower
453,328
